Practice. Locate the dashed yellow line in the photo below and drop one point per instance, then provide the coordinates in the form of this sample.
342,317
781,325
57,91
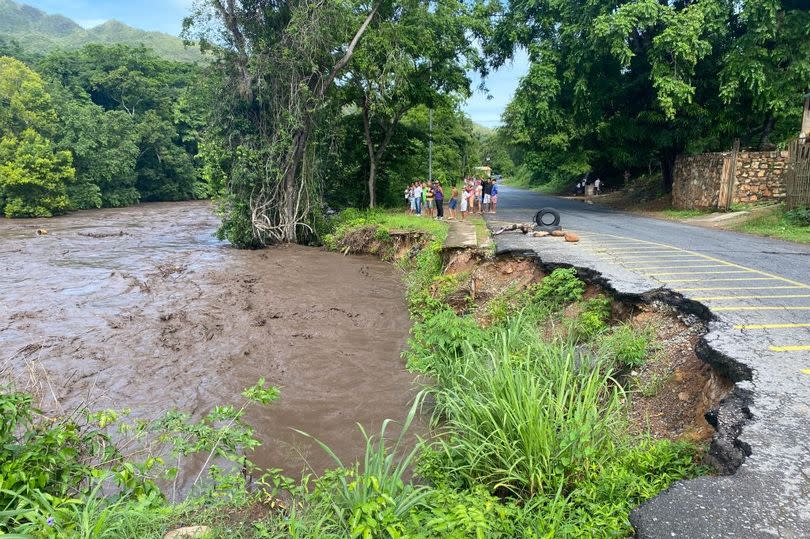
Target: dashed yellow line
633,267
723,280
713,272
771,326
805,371
719,298
706,257
664,258
796,348
703,289
751,308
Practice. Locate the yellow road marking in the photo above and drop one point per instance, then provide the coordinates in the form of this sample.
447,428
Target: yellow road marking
635,251
701,289
805,371
797,348
674,267
714,272
722,280
771,326
768,308
666,258
707,257
717,298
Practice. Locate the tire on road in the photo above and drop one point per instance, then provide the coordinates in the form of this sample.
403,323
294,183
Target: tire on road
542,217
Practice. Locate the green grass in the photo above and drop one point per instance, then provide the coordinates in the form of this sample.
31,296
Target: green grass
781,224
684,214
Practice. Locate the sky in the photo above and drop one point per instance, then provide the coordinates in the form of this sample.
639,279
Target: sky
167,16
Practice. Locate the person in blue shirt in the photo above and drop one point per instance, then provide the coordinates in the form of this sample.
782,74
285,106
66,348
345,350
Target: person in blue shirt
493,197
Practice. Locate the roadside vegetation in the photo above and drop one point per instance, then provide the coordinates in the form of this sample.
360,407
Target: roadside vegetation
783,224
524,396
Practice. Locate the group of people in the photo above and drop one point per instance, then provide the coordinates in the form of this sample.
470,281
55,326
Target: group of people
583,183
475,196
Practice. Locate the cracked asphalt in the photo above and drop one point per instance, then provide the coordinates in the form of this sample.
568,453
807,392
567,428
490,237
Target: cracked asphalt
756,293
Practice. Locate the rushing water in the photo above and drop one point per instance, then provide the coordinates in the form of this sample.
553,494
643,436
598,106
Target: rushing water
143,308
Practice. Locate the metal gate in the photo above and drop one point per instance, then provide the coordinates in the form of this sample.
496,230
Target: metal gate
797,175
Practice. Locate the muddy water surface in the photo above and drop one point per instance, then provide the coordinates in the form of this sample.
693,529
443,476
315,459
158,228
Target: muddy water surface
143,308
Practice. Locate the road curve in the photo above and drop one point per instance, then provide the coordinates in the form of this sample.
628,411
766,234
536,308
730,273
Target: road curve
756,291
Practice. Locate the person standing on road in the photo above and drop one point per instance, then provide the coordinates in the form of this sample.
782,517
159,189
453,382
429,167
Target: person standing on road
493,197
453,202
487,188
479,195
417,198
597,186
465,199
429,200
438,195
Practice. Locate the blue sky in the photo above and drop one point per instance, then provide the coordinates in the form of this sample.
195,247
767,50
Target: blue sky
167,15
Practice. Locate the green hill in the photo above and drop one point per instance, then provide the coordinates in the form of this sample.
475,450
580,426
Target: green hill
38,32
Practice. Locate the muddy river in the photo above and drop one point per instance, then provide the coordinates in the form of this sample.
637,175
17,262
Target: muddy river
143,308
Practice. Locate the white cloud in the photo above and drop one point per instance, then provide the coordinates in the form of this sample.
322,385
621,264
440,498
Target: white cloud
90,23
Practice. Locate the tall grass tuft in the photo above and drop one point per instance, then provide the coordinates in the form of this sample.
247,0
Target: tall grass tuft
526,417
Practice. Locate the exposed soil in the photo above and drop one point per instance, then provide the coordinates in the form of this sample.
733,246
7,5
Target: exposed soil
142,308
669,395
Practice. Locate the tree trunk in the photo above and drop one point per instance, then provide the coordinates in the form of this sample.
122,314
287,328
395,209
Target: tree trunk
767,127
292,187
667,170
372,173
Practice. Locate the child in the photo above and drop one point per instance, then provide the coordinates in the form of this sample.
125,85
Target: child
479,194
493,197
465,199
453,202
429,200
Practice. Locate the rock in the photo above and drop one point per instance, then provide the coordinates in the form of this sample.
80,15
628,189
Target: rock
570,236
42,232
683,396
558,233
540,234
189,532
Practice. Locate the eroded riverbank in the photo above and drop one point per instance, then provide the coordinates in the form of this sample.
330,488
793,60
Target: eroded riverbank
143,308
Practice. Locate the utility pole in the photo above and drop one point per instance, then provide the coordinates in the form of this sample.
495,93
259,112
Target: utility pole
430,144
430,126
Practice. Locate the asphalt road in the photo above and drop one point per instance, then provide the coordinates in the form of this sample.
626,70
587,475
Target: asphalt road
758,293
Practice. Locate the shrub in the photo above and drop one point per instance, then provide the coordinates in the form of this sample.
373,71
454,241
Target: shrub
593,319
626,346
558,288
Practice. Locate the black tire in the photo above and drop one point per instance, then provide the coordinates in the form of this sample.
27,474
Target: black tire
541,217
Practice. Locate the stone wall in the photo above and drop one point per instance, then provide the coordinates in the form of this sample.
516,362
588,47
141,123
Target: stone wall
758,176
697,180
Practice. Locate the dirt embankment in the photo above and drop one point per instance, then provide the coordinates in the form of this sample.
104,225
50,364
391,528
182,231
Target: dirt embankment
670,394
142,308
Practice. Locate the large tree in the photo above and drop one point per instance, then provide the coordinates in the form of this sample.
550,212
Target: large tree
416,52
278,62
617,85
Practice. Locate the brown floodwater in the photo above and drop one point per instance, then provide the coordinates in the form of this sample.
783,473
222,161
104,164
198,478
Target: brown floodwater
143,308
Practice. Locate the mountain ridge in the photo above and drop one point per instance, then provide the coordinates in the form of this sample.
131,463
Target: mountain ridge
39,32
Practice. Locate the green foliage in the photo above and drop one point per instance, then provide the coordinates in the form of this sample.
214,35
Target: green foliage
626,346
33,177
615,87
786,225
593,319
26,102
559,287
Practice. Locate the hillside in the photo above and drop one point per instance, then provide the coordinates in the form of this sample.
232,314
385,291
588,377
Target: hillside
39,32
